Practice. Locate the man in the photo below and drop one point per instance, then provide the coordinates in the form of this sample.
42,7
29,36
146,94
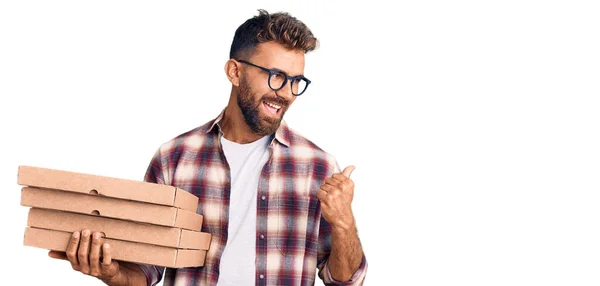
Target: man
277,206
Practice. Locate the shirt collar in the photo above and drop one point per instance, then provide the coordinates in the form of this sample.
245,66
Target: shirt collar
282,135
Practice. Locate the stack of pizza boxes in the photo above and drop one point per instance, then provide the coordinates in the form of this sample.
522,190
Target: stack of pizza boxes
143,222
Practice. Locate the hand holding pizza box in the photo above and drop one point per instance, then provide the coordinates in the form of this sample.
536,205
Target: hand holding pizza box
143,222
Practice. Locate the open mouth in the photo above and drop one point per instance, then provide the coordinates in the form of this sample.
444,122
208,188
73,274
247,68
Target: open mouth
272,108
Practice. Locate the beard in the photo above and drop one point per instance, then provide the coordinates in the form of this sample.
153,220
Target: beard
261,125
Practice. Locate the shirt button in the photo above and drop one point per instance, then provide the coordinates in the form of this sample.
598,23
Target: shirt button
261,276
262,236
263,198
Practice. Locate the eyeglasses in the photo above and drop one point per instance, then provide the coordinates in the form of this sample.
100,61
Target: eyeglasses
278,79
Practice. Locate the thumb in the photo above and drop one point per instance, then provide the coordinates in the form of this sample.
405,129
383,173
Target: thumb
57,255
348,171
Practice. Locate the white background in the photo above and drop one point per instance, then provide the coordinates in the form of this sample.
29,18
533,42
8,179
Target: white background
474,127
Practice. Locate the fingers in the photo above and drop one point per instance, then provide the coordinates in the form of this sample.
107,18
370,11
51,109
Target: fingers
340,182
332,186
109,267
106,255
336,185
333,181
330,194
322,195
340,178
95,254
344,181
72,251
328,188
83,253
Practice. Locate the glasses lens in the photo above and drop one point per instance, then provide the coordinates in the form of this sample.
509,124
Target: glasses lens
277,80
299,86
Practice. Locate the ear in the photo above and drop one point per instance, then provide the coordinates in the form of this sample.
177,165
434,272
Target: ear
232,70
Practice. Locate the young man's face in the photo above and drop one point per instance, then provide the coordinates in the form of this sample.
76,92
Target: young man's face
262,107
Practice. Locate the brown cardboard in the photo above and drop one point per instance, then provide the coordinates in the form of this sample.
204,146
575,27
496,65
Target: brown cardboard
107,187
194,240
121,250
111,208
118,229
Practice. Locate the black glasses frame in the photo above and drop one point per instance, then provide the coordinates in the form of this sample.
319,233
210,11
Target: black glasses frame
287,77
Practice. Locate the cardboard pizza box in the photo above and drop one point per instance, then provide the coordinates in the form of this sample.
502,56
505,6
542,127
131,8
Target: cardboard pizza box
111,208
118,229
121,250
107,187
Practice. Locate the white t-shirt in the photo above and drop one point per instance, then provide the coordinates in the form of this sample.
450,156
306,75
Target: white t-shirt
246,162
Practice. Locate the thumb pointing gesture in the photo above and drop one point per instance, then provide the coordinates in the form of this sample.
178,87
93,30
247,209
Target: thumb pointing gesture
336,195
348,171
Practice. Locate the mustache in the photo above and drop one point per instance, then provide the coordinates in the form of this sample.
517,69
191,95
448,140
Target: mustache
277,100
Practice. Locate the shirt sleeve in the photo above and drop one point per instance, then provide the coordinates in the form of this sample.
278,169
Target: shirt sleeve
153,273
154,174
357,278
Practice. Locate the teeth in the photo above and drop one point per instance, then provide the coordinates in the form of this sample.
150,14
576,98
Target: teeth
273,105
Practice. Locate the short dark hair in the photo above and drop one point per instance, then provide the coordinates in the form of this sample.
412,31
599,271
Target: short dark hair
280,27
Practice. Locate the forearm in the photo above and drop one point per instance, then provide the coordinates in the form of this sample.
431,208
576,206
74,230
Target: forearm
346,253
129,275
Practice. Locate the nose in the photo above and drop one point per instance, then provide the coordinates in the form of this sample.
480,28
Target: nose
286,91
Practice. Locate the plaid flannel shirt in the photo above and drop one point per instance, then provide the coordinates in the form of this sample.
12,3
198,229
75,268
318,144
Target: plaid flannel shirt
292,238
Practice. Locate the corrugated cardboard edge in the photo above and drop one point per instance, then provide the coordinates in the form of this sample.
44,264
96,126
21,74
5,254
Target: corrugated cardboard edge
190,258
185,200
121,250
112,228
120,188
188,220
194,240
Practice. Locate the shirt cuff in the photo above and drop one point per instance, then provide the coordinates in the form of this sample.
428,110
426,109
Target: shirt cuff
357,278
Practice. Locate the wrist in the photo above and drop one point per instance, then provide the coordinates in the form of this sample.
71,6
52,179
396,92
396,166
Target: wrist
343,228
344,223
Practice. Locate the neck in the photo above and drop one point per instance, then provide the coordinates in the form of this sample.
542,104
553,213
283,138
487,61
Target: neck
234,126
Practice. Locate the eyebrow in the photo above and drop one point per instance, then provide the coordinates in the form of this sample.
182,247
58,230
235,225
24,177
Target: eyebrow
277,69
